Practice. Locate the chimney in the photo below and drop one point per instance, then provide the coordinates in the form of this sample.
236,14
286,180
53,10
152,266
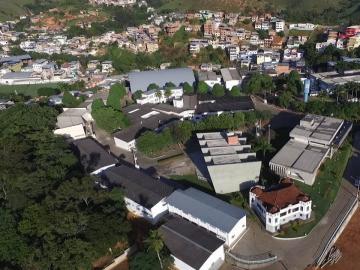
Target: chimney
232,139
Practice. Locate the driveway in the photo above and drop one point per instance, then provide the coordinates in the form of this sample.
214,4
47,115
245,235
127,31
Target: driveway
299,253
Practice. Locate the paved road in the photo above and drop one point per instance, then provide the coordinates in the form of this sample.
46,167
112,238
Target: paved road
297,254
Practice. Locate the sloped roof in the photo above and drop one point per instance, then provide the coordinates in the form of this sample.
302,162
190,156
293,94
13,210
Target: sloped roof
138,186
92,154
141,80
280,197
207,208
189,243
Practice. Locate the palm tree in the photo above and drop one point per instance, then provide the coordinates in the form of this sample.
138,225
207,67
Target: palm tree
158,94
167,92
264,146
155,243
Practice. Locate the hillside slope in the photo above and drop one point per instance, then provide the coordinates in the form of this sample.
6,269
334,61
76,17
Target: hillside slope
12,8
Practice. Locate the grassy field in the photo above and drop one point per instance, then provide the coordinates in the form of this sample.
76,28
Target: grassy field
323,192
12,9
27,90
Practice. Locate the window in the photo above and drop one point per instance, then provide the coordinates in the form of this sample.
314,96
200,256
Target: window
282,214
307,208
276,220
295,209
301,208
269,220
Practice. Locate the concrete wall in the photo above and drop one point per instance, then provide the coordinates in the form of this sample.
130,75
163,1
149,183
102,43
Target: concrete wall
73,132
179,264
124,145
229,178
215,261
152,215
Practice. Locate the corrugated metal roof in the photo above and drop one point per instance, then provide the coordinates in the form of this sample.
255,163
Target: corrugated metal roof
141,80
207,208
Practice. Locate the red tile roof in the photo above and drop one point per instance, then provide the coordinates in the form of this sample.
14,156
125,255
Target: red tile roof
283,195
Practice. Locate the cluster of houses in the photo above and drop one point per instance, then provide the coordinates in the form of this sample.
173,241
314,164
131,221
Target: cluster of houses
189,219
23,70
349,39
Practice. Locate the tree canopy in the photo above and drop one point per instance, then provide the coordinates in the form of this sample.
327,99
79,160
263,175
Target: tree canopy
235,91
108,118
116,94
202,88
218,90
51,216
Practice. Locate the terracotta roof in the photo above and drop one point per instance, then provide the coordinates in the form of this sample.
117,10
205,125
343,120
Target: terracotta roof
280,197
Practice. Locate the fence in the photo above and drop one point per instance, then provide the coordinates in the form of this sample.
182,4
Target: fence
251,262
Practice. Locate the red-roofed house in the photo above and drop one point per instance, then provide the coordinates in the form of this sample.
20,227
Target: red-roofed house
280,205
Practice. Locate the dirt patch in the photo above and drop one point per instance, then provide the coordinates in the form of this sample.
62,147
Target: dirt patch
348,243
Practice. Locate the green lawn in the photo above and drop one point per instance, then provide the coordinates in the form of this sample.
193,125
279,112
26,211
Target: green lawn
323,192
27,90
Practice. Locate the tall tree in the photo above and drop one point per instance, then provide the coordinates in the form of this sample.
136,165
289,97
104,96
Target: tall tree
155,243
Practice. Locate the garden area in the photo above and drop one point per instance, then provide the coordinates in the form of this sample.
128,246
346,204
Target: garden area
322,193
26,90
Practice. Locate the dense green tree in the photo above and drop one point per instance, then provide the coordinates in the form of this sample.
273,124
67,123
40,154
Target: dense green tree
188,89
69,101
259,83
202,88
151,143
116,94
263,146
153,86
51,215
107,118
294,84
137,95
235,91
285,99
218,90
48,91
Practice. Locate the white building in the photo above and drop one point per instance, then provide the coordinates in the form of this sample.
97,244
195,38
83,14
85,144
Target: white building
311,142
225,220
302,26
280,26
231,165
210,78
192,247
160,96
143,195
39,64
74,123
280,205
231,77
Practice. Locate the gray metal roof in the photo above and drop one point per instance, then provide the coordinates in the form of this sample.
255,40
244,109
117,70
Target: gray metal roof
181,236
92,154
207,208
138,186
141,80
17,75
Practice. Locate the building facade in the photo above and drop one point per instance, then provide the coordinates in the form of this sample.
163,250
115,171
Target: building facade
280,205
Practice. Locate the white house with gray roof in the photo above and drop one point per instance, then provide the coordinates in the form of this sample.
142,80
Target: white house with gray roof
143,195
226,221
231,77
